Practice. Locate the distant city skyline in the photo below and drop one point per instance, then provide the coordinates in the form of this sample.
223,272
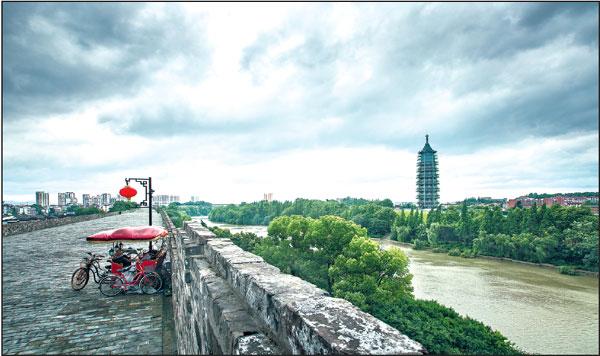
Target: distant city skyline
301,100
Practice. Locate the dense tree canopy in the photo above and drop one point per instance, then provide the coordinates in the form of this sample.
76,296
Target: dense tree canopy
557,235
123,205
377,216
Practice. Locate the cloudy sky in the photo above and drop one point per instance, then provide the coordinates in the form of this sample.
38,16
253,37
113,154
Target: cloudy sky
320,101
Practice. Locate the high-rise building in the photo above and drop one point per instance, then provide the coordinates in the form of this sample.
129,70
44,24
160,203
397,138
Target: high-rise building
43,199
268,197
164,200
105,199
427,177
67,198
85,199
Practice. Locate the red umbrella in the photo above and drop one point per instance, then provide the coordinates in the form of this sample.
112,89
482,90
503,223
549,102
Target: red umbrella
140,233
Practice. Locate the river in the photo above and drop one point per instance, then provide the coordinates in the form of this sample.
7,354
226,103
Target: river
537,308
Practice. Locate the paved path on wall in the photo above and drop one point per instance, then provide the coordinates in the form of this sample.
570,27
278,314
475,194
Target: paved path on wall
42,314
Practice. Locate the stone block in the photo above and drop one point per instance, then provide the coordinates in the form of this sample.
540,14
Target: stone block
198,232
332,325
257,344
267,295
223,254
240,275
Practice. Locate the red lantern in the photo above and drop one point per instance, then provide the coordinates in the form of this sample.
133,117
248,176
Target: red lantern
128,192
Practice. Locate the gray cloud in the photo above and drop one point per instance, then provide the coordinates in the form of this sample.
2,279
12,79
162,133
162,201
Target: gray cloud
56,51
466,49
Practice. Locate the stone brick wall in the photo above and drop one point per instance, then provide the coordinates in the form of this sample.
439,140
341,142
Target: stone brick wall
28,226
228,301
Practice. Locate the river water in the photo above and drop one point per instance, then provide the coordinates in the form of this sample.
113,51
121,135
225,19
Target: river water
538,309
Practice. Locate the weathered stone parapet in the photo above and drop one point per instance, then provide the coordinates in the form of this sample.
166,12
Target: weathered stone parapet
227,300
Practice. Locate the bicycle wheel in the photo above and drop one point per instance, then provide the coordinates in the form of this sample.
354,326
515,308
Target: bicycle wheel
111,285
151,283
80,278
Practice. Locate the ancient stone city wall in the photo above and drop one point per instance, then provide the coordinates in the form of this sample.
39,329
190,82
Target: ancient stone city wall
28,226
228,301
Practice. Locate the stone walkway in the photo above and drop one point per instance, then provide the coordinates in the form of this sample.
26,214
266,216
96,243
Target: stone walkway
42,314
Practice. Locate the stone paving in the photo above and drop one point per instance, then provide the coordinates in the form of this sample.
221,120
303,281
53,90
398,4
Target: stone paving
42,314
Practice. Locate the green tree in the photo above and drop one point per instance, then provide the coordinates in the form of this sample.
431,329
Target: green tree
497,225
387,203
581,242
514,221
363,274
403,234
452,216
401,219
329,235
466,226
123,205
532,220
38,208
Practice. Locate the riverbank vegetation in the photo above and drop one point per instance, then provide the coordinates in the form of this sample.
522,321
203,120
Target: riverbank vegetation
336,255
377,216
198,208
557,235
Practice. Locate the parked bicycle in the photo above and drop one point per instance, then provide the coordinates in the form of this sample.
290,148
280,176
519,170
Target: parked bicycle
113,284
81,276
132,272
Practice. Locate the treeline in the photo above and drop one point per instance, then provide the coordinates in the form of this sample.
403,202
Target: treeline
79,210
546,195
479,200
557,235
336,255
176,213
198,208
123,206
377,216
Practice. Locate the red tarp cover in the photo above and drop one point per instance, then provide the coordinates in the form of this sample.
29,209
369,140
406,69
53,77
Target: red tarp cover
140,233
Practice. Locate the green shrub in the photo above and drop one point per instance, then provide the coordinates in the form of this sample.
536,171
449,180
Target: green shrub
567,270
467,254
418,245
454,252
440,250
441,330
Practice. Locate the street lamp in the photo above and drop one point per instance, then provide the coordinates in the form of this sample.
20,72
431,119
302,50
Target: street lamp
147,203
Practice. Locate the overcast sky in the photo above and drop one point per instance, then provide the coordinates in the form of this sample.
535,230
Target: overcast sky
230,101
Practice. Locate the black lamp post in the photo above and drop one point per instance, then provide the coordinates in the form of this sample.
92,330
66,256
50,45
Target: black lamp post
147,203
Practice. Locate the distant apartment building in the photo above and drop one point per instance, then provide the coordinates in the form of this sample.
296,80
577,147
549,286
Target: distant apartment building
43,199
105,199
100,200
268,197
67,198
164,200
194,198
563,200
